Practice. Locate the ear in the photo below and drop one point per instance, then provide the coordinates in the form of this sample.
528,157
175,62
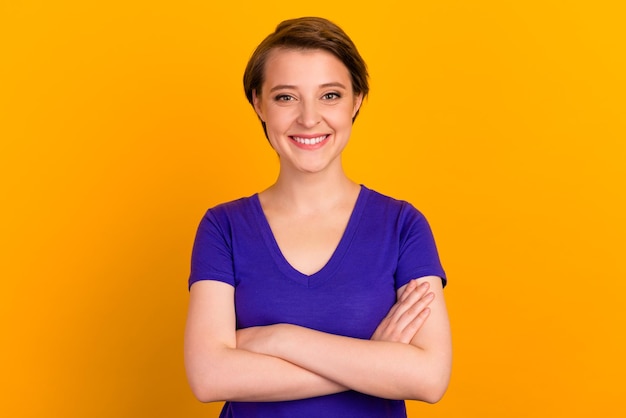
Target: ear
256,102
358,100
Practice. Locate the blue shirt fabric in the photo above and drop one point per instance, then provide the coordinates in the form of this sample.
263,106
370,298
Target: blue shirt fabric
386,243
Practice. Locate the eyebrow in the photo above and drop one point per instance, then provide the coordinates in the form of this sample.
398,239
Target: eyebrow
290,86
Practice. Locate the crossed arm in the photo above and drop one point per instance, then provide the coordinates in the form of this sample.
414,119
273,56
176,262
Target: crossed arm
408,357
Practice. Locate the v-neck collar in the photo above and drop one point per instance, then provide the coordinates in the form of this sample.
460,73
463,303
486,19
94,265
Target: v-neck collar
328,270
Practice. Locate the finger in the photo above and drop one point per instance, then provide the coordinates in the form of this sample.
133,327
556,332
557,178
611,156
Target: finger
419,305
414,311
397,319
408,290
410,287
412,297
414,326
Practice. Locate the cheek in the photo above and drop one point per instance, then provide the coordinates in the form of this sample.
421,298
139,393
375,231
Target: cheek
278,118
341,118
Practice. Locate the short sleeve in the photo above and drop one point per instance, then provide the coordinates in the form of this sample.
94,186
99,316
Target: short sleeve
418,256
212,256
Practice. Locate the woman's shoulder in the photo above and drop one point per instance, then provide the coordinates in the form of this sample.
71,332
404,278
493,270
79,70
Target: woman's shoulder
233,210
383,202
241,204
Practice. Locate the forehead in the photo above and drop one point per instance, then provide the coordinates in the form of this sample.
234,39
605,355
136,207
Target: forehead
304,67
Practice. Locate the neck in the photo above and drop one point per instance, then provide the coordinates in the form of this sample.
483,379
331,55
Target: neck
311,192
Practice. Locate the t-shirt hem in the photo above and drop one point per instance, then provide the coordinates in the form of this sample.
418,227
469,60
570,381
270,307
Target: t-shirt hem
227,280
431,271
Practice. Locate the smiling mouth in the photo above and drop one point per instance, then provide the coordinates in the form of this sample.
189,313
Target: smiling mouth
309,141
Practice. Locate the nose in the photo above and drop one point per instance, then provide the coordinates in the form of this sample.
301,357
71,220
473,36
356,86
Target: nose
309,114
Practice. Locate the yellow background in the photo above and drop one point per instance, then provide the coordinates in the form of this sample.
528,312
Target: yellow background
121,122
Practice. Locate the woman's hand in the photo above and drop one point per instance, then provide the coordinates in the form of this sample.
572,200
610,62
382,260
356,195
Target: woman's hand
406,316
417,368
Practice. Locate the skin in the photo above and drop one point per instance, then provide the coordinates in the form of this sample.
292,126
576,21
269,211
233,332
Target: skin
307,97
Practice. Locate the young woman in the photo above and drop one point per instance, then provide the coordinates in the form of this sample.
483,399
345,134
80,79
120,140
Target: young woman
316,297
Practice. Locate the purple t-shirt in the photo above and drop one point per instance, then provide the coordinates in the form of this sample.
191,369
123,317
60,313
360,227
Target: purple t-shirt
386,243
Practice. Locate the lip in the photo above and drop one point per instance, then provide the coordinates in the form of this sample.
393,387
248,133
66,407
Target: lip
309,141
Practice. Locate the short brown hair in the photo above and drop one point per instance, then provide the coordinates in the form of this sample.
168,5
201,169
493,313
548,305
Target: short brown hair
307,33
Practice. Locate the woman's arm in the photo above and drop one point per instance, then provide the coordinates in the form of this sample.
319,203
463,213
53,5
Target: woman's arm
390,369
217,370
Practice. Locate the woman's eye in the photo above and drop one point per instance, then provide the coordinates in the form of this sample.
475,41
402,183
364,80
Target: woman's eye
283,98
331,96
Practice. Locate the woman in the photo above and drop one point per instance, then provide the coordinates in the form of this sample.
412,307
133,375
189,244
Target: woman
316,297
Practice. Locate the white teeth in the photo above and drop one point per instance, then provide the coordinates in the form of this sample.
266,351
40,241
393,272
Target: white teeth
309,141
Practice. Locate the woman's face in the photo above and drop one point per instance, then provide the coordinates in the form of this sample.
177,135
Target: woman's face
307,104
